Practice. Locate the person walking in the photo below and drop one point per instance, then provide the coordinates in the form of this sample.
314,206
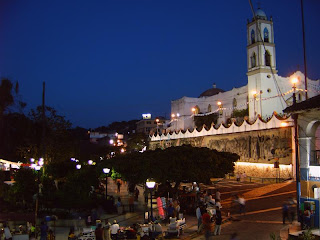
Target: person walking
131,203
217,228
99,232
242,205
71,235
7,232
292,210
207,225
118,185
106,230
114,228
119,206
285,212
199,217
136,194
43,231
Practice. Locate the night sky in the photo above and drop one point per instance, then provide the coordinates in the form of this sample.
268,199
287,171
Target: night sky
106,61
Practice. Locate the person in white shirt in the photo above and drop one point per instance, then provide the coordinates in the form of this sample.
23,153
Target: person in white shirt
114,228
242,203
7,233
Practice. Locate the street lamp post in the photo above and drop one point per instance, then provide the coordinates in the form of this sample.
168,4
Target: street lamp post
157,121
150,184
106,171
194,111
254,93
295,119
219,103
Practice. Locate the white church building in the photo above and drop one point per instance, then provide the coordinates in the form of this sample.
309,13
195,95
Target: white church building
265,93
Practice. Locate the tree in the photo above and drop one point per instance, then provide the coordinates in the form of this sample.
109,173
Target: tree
174,164
119,127
58,140
136,142
6,96
16,132
207,120
240,113
25,186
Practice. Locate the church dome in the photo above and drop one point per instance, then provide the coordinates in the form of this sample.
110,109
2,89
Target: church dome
261,14
211,92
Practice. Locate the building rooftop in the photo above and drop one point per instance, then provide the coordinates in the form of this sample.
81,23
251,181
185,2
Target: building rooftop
309,104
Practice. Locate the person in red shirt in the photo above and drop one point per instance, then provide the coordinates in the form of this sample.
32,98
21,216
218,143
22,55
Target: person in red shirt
207,225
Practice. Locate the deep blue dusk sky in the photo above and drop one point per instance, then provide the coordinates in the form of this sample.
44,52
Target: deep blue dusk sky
106,61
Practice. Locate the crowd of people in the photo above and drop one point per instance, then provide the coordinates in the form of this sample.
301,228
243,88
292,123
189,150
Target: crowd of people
107,231
208,213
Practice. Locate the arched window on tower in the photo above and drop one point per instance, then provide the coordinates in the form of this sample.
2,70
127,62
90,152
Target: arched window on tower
209,108
267,58
253,60
266,35
253,39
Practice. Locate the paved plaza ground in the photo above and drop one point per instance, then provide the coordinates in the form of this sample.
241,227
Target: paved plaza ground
263,211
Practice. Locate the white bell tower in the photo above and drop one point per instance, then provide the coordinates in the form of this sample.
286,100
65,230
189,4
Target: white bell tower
261,61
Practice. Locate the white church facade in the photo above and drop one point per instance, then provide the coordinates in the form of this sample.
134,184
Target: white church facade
265,93
265,137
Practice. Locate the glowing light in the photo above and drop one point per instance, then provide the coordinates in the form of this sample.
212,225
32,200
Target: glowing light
73,159
146,116
193,110
106,170
31,159
262,165
90,162
122,150
40,163
294,80
37,168
178,114
33,165
173,115
157,120
219,103
111,141
254,92
78,166
150,183
41,159
284,124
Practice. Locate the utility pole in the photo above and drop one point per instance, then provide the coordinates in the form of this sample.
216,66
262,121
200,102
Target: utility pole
295,119
304,52
43,152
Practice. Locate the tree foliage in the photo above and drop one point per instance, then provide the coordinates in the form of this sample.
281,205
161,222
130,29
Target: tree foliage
207,120
119,127
136,142
25,185
58,142
240,113
174,164
6,96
